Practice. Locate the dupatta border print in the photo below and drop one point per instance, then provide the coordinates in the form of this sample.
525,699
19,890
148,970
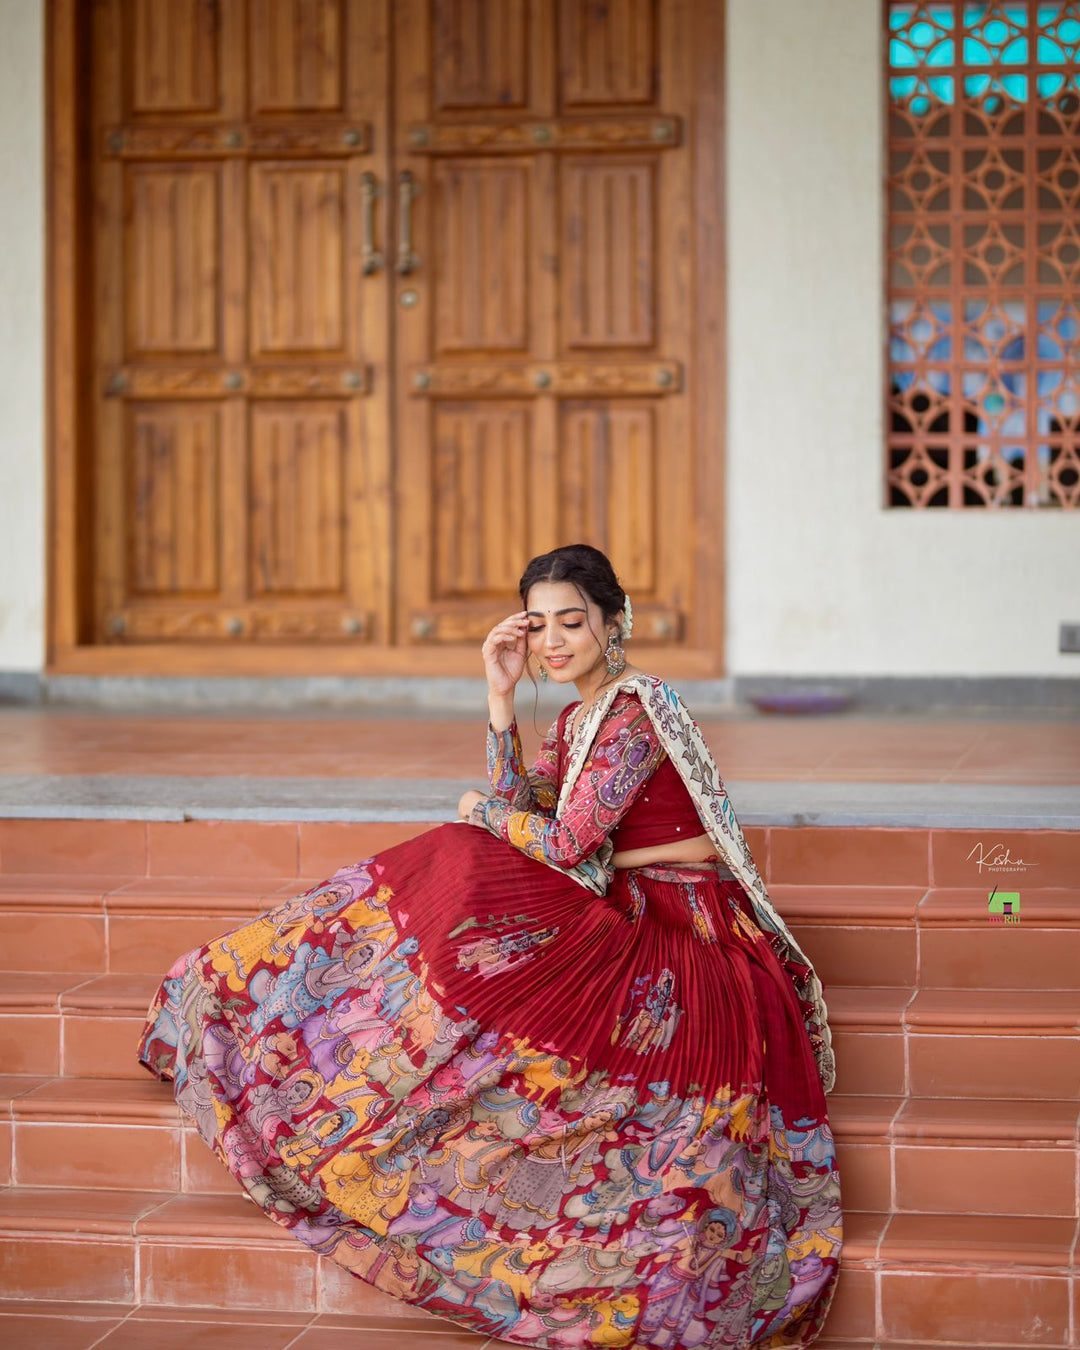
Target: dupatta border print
561,1120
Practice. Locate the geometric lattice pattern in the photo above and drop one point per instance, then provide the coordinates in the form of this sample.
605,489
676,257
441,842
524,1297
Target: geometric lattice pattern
984,254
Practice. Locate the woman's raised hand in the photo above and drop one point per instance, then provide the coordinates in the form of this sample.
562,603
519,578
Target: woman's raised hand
505,649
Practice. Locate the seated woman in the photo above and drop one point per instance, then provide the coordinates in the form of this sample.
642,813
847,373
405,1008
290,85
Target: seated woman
555,1071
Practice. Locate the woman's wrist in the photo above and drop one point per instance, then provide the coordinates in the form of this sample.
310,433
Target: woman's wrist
476,811
500,710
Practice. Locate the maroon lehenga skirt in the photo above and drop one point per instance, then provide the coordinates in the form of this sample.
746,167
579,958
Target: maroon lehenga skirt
555,1118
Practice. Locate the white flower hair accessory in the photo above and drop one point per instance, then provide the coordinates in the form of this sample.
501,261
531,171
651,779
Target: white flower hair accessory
628,619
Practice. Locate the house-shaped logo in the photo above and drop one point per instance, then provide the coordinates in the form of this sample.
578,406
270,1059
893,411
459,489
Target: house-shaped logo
1003,906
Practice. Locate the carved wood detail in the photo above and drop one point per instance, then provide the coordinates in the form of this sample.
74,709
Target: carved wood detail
593,379
292,381
236,624
556,133
235,140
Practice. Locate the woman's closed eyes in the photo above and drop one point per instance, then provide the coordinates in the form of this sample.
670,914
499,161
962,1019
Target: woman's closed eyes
538,627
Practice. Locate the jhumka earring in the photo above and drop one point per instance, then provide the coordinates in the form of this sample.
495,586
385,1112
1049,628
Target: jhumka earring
543,672
614,655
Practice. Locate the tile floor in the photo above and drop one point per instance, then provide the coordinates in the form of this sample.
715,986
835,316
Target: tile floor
829,748
35,1325
88,1326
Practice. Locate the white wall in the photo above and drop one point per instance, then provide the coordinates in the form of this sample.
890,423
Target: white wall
22,359
821,578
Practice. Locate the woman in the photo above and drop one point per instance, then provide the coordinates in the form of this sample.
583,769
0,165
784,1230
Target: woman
555,1071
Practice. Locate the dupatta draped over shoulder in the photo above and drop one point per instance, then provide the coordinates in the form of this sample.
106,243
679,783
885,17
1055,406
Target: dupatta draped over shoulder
686,747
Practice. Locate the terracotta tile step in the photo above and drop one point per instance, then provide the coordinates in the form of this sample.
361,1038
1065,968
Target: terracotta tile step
121,923
936,938
969,1280
217,848
146,1101
881,906
901,936
916,1154
173,1251
982,1043
53,1324
48,1326
888,1041
931,1155
787,854
914,1280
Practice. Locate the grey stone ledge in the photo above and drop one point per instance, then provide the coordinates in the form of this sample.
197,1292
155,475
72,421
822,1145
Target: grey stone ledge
1038,697
147,797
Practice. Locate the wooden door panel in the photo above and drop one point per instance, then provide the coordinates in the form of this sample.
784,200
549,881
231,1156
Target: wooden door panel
298,262
174,64
481,53
609,53
609,483
296,56
560,288
608,253
297,484
174,260
481,515
481,255
173,496
242,352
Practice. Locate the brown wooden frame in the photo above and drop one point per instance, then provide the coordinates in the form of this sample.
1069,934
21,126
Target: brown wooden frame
69,564
64,548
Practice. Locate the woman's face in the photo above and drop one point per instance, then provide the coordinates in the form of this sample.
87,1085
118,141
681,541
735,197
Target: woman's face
567,639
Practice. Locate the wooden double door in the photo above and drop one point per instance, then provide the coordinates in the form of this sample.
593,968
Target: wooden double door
386,299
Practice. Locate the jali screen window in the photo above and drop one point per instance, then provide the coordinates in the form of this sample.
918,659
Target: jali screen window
983,210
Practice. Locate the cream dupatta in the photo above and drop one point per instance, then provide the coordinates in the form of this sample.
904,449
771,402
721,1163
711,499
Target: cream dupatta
682,740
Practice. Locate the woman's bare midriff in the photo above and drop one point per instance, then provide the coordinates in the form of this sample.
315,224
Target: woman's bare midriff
698,849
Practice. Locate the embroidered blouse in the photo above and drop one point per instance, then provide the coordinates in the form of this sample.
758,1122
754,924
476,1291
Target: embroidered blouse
625,754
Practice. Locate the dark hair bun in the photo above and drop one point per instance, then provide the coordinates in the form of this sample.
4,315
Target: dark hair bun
585,567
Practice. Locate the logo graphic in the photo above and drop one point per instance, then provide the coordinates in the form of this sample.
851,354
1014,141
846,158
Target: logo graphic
997,858
1003,906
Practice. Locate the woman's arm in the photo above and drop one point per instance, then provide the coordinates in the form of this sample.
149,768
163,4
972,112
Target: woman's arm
532,790
623,756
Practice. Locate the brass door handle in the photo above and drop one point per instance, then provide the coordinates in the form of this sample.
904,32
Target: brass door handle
370,258
407,260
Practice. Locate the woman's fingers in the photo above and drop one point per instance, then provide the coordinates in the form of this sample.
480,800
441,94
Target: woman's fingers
509,631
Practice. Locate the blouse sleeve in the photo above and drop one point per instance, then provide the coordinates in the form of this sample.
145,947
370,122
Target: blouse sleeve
623,756
533,790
